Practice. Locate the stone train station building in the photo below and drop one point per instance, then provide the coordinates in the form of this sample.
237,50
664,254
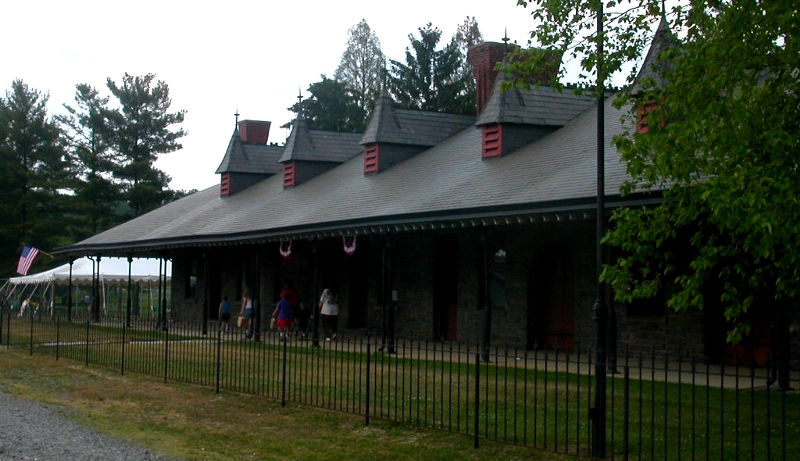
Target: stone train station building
427,225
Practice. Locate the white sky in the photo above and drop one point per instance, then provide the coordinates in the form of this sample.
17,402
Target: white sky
218,57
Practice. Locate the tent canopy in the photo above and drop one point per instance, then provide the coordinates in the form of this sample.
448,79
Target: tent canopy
112,270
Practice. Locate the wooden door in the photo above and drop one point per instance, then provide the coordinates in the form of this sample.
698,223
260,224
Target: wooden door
551,307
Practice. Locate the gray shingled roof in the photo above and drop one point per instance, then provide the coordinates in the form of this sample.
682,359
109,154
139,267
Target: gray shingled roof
542,106
652,66
241,157
393,125
319,146
449,181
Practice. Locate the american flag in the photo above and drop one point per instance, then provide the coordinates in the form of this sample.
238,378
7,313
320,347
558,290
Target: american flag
29,253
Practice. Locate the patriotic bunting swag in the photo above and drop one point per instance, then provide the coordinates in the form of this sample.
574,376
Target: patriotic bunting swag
286,248
349,244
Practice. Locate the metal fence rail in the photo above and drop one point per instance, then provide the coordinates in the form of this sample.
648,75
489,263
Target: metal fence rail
658,407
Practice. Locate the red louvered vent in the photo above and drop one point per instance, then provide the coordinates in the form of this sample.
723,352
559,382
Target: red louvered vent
288,175
225,185
492,141
642,114
371,159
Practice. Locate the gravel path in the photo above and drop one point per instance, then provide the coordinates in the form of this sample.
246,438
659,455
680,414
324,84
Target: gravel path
34,431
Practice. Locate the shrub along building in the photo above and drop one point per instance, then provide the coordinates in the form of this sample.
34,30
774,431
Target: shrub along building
428,225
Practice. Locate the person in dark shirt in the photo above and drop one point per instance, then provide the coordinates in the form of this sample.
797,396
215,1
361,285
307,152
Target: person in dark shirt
283,312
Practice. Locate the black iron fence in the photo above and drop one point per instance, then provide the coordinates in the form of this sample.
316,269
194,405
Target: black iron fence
658,407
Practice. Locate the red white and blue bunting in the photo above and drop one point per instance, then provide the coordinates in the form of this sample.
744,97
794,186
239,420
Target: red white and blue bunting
285,248
349,244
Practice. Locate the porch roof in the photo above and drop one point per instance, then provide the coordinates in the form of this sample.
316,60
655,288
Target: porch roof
447,185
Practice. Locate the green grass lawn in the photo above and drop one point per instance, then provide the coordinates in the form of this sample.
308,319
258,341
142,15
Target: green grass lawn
195,423
543,406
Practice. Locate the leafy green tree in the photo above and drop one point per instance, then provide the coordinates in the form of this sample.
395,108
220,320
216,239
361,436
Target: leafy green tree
34,171
467,35
721,145
362,65
97,194
431,79
142,129
331,107
724,145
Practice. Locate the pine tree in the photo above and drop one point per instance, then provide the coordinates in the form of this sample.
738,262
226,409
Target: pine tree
331,107
430,79
97,194
34,171
142,129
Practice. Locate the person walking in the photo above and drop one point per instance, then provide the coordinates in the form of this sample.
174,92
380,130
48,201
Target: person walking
224,314
246,315
329,310
283,313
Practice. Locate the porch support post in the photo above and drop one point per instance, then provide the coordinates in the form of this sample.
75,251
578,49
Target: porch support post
487,311
128,304
162,292
69,295
206,291
256,294
388,308
387,293
313,302
96,291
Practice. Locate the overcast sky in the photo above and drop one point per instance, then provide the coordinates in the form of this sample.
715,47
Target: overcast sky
218,57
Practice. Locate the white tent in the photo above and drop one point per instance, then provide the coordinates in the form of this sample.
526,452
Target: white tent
111,270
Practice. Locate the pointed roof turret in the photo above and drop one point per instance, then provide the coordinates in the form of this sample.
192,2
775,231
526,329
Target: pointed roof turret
248,151
309,153
542,106
390,124
651,74
248,158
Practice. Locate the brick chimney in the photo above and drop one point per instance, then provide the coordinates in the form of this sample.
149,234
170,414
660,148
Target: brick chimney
484,57
254,131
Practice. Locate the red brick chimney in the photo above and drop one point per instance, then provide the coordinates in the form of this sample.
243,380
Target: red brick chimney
254,131
484,57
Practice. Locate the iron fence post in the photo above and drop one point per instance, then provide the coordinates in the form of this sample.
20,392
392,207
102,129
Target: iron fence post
477,423
219,356
283,373
369,362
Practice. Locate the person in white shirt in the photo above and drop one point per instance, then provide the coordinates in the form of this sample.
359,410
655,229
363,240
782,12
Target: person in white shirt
329,310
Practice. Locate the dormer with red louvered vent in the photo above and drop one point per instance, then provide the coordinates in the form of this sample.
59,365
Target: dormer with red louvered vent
510,120
248,159
394,135
652,77
309,153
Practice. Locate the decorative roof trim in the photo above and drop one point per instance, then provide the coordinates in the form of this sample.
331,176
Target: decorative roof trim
572,210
